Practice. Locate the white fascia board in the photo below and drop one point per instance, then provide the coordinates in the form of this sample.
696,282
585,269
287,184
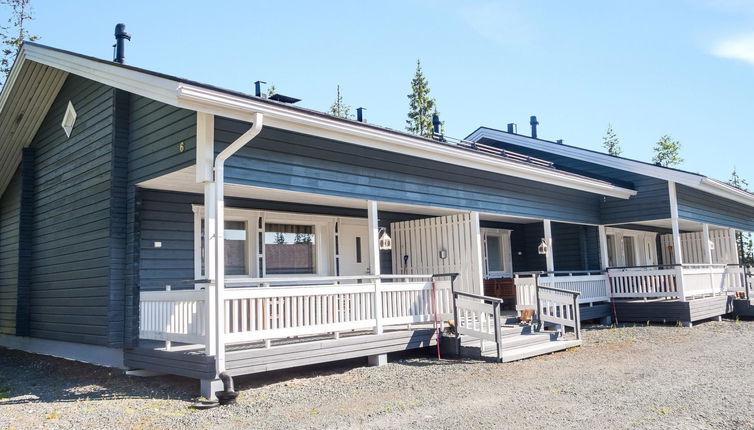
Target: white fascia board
237,107
695,181
684,178
722,189
216,102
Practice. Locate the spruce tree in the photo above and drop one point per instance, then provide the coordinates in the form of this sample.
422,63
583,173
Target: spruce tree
744,241
667,152
420,105
610,142
14,34
338,107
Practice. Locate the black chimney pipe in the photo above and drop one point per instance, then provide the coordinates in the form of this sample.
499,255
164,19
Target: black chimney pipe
534,123
120,37
258,89
512,129
361,114
436,123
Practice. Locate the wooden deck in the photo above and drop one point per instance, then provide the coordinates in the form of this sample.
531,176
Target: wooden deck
670,311
255,357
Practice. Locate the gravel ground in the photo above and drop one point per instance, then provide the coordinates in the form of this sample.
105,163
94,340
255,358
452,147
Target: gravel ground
628,377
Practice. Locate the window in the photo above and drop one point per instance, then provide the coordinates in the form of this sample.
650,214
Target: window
289,249
629,251
235,248
611,262
69,119
498,253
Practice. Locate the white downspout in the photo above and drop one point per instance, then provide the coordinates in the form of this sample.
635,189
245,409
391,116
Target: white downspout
226,153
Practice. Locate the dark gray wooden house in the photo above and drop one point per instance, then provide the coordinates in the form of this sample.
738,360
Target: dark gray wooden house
152,222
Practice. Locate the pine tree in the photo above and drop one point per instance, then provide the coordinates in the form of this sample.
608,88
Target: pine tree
271,91
339,108
14,34
421,105
667,152
279,238
744,241
610,142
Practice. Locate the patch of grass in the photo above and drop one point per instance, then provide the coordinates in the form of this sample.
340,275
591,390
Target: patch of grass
664,410
52,416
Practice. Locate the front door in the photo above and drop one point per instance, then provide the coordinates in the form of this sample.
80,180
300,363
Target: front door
354,249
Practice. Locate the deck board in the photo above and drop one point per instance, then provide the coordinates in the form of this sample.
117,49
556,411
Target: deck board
669,311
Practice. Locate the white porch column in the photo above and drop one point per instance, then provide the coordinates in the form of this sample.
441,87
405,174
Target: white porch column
374,261
548,240
205,157
604,259
477,269
735,258
706,245
677,254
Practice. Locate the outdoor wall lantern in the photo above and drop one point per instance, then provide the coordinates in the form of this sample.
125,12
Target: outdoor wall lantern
385,242
542,248
443,254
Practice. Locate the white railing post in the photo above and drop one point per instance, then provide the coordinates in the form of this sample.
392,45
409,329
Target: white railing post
374,261
549,258
677,254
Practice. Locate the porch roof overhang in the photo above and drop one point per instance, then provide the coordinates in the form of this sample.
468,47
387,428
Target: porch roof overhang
667,224
184,181
693,180
212,100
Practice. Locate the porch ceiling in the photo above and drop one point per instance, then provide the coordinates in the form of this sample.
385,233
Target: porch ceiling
684,225
185,181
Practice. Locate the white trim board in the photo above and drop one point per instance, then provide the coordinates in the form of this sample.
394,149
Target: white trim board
92,354
191,96
688,179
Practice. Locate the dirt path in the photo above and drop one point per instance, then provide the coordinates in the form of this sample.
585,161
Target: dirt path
629,377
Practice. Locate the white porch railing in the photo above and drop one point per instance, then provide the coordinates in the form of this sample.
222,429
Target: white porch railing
479,317
559,306
321,306
592,286
645,282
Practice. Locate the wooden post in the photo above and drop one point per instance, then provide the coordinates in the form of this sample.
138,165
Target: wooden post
374,261
548,240
604,259
706,245
677,254
734,246
477,271
205,155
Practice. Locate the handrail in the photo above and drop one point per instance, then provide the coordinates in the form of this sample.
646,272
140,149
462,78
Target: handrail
542,317
659,266
560,290
477,296
560,272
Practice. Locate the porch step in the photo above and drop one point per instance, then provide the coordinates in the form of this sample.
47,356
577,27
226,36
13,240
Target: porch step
529,351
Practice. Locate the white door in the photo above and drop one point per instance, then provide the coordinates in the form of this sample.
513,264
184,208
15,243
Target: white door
354,249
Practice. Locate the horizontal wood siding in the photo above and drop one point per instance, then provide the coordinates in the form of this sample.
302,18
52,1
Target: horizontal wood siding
156,133
70,240
651,201
699,206
575,247
10,206
188,364
670,311
292,161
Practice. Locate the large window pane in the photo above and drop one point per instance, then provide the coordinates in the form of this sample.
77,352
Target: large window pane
494,254
289,249
235,248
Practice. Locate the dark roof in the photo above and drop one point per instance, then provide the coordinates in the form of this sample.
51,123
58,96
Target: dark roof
299,109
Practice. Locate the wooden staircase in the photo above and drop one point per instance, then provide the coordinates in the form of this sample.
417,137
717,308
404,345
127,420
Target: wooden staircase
518,342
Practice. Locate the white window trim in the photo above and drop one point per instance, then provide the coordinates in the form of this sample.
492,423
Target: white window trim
324,237
641,238
506,249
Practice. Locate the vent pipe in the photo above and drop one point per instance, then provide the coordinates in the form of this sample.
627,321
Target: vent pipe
534,123
512,128
361,115
120,49
559,141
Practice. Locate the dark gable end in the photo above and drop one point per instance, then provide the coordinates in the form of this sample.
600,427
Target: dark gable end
10,209
70,240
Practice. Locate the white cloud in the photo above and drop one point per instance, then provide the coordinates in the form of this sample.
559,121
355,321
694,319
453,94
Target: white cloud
737,48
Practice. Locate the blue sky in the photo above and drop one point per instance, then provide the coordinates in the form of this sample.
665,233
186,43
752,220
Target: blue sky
682,67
